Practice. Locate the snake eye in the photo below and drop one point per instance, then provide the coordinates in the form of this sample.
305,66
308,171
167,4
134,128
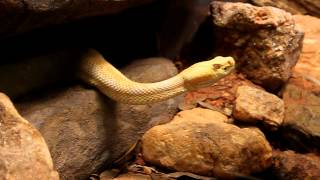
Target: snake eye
216,66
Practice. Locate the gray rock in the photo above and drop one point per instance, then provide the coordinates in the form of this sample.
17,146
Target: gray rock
263,40
86,130
23,152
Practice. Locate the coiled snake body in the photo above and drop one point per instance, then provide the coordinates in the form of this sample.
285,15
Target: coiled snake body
95,70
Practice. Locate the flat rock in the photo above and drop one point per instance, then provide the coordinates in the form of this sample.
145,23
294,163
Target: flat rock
20,16
263,40
256,105
199,141
23,151
310,7
86,130
291,165
301,126
309,61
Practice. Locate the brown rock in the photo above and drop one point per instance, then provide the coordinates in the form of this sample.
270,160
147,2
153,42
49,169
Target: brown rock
85,130
19,16
309,62
289,165
198,141
301,126
127,176
23,152
263,40
253,105
310,7
220,96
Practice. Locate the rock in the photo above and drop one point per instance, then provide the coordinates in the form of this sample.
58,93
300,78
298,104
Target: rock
301,126
85,130
20,16
23,152
127,176
219,97
254,105
33,74
263,40
290,165
309,62
310,7
198,141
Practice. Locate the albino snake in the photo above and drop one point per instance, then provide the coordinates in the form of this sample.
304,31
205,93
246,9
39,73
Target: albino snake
95,70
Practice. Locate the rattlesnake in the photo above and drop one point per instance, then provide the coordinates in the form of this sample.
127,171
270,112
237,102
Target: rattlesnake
95,70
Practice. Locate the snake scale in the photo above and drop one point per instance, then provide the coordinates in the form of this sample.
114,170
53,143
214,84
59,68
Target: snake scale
95,70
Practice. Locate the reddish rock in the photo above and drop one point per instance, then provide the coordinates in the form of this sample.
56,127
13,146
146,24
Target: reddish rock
24,153
289,165
310,7
253,105
18,16
196,141
301,127
263,40
309,62
220,96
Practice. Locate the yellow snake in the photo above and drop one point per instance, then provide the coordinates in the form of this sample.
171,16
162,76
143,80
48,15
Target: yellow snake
95,70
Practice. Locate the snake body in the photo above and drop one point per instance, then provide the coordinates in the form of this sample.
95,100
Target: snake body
95,70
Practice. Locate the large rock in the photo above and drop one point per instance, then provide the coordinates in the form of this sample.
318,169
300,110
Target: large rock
309,62
23,152
19,16
255,105
301,126
291,165
85,130
199,141
310,7
263,40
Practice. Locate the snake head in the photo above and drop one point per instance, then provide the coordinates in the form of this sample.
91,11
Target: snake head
206,73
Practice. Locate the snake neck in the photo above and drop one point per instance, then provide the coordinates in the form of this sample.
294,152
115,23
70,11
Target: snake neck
111,82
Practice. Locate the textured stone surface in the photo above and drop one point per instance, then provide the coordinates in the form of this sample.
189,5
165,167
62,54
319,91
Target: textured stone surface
311,7
86,130
127,176
23,152
254,105
309,62
301,127
290,165
198,141
18,16
263,40
220,96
